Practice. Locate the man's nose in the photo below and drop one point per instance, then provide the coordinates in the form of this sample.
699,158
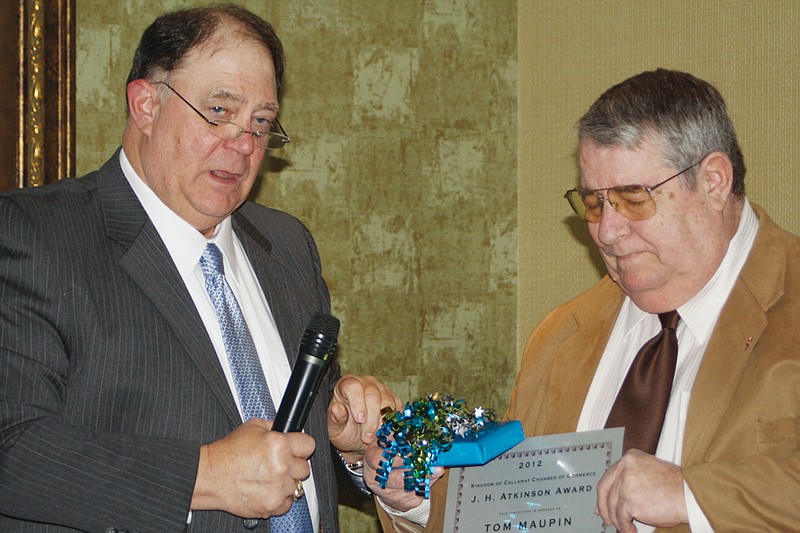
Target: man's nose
244,143
612,225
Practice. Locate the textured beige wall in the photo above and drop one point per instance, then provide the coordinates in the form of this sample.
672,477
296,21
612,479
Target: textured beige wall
571,51
403,165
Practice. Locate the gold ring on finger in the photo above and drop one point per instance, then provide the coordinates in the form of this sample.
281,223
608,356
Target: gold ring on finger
298,491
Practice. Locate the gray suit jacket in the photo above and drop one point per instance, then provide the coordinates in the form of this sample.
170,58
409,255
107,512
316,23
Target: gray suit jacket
108,381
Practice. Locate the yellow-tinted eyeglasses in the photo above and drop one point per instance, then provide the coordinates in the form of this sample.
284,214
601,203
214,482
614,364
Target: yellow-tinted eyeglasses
634,202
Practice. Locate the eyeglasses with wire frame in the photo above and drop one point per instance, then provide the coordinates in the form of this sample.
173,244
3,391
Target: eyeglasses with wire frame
230,131
634,202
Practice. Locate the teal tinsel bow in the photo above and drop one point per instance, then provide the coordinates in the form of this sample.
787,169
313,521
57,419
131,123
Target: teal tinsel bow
424,428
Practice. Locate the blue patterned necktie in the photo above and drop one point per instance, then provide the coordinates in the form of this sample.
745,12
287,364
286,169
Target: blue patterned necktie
248,376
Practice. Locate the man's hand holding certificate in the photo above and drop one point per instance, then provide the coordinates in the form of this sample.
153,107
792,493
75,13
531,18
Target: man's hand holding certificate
547,482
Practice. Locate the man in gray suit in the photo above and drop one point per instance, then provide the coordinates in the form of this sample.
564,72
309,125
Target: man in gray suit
119,406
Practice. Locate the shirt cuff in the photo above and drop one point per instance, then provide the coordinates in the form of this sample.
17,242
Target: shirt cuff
418,515
698,522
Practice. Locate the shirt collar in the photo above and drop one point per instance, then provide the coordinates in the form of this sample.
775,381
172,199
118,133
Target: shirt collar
711,298
184,243
223,238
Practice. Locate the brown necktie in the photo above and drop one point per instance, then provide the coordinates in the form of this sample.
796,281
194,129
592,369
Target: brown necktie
642,401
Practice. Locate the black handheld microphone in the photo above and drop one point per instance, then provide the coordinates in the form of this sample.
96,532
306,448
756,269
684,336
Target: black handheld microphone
315,352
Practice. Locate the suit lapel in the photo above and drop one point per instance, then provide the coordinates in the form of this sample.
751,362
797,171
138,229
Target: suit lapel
737,332
735,338
272,275
148,263
573,370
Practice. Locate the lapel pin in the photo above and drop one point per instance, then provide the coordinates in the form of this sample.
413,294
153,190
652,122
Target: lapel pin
748,342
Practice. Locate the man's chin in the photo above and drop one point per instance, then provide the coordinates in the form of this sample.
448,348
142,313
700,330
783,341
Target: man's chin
653,300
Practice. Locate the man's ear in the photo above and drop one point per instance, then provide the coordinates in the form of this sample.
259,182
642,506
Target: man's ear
716,178
143,104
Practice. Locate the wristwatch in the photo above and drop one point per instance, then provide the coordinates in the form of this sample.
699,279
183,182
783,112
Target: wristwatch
355,468
356,471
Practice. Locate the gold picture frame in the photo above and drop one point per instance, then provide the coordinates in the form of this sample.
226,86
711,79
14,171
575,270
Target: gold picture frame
41,73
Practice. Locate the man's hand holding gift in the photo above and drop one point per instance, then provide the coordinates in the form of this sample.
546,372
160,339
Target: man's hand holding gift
392,492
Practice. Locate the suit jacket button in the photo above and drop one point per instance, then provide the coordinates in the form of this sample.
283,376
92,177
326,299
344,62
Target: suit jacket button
250,523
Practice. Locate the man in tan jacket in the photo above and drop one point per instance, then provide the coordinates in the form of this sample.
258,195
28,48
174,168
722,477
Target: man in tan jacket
662,190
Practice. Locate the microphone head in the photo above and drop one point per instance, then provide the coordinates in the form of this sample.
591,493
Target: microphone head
320,337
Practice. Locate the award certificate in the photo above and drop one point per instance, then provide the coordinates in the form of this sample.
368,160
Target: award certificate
543,483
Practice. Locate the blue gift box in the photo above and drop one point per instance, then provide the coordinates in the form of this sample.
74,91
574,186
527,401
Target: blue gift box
480,448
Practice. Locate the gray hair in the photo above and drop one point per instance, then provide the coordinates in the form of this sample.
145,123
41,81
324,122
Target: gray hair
683,115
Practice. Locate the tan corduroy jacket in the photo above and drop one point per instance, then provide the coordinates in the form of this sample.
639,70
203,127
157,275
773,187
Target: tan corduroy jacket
741,457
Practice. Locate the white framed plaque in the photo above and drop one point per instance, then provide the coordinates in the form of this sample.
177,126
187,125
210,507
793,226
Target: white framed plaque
544,483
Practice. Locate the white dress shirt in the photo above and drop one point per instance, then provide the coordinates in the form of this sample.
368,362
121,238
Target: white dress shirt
185,245
634,327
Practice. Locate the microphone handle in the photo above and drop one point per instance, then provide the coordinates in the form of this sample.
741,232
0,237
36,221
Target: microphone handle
300,392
